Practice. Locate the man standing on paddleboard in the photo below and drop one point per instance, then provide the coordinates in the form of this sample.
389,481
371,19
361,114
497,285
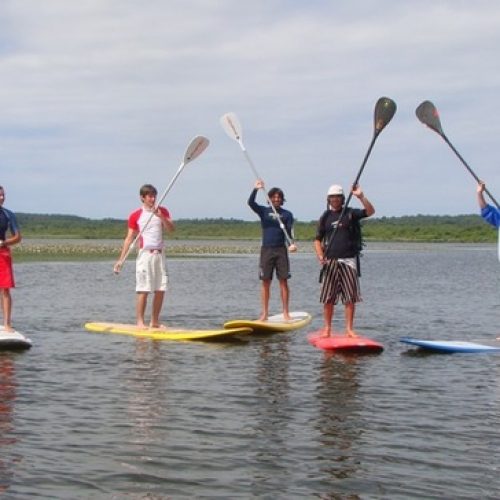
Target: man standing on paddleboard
147,224
8,223
337,246
277,231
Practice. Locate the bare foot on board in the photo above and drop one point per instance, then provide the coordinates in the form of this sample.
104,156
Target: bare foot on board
325,333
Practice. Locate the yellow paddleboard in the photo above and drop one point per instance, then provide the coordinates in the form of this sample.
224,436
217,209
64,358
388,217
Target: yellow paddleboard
165,333
274,323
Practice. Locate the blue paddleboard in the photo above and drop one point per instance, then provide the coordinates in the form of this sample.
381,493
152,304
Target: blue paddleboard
449,346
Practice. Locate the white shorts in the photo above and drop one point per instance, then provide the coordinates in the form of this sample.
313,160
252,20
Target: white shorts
150,271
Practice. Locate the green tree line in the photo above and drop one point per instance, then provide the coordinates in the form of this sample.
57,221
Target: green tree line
424,228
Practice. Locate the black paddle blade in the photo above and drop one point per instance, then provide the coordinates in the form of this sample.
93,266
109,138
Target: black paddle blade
384,111
428,115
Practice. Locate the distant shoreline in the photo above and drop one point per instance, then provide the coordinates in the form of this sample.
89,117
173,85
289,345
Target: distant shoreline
419,228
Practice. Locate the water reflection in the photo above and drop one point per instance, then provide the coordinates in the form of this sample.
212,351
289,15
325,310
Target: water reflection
145,389
338,422
270,419
272,383
273,412
7,399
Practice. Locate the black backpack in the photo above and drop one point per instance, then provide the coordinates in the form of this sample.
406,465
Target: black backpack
356,233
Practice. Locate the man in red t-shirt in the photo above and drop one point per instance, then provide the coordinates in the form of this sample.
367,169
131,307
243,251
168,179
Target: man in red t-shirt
148,222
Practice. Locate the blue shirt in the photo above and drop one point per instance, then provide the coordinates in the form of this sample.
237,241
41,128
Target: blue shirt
7,222
272,234
491,214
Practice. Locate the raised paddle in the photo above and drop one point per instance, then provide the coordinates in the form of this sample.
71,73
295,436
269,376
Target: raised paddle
233,129
428,114
194,149
385,108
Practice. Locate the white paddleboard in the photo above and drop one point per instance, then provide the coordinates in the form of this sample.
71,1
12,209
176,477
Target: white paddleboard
276,323
13,340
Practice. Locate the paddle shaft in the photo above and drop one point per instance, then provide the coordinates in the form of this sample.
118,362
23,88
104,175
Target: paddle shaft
194,149
443,135
163,196
254,170
385,109
354,184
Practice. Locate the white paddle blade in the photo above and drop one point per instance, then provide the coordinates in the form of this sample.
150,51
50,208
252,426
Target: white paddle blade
195,148
231,126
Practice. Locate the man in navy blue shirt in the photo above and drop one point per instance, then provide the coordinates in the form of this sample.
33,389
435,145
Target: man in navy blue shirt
275,222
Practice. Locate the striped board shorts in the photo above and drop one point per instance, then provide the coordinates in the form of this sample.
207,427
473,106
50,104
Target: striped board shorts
340,282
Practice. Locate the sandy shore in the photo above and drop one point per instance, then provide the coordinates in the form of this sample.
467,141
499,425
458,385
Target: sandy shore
110,249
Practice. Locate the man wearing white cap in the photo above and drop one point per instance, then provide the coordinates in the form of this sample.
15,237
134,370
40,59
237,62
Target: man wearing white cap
339,258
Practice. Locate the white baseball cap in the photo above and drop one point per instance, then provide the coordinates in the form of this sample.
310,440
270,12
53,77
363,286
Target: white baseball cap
335,189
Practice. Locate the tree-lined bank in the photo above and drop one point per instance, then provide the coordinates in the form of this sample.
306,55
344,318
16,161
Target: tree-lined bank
419,228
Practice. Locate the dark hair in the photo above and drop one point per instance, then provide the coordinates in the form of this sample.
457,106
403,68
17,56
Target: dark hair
277,191
147,189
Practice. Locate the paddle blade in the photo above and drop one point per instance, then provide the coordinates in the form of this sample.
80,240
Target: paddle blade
231,126
195,148
385,109
428,115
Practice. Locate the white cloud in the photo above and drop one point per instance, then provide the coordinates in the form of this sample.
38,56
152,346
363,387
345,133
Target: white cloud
100,96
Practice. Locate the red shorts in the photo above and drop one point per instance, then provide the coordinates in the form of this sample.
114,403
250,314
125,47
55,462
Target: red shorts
6,272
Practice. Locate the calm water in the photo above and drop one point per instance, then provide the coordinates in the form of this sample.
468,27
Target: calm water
84,415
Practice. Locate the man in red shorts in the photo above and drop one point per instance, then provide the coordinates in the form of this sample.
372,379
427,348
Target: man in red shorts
8,224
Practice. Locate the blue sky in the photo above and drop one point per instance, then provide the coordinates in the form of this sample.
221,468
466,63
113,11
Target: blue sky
101,96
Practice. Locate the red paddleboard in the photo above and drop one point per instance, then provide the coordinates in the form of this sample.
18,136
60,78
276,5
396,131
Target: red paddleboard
344,343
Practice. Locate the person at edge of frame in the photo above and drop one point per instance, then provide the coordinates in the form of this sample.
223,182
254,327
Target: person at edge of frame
8,223
273,251
489,213
340,279
150,221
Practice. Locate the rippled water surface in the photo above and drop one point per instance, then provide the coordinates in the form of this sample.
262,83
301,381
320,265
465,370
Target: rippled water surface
85,415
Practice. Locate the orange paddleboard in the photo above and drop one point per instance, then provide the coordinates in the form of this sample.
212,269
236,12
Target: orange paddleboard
344,343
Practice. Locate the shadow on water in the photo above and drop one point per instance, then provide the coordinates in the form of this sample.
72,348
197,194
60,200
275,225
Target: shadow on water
423,353
144,392
8,389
